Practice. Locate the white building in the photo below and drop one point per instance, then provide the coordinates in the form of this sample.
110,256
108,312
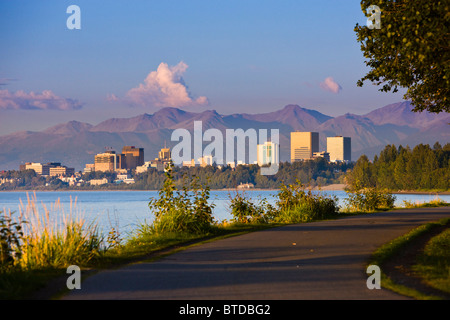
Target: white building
339,148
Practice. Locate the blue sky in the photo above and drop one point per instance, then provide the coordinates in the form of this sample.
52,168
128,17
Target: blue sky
230,56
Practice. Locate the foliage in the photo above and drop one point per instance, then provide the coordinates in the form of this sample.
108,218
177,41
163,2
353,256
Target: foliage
245,211
410,50
187,210
389,250
316,172
369,199
56,239
41,242
296,205
422,168
293,205
433,263
11,235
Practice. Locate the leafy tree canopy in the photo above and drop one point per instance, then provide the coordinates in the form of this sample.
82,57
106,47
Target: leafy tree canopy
409,50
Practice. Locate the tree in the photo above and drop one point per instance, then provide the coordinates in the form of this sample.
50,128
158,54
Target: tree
410,50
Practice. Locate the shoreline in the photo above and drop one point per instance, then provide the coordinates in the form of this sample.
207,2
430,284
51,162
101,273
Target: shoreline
331,187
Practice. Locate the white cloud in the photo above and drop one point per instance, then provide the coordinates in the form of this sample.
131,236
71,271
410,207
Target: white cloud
46,100
164,87
330,85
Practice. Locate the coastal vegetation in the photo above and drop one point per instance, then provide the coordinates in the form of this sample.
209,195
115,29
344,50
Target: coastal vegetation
404,169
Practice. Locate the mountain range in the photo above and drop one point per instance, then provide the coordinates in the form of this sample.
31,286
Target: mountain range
75,143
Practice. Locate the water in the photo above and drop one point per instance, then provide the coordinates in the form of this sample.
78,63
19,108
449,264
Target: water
125,210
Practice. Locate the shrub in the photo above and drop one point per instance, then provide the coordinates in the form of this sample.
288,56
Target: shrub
369,200
293,205
11,235
245,211
297,205
186,211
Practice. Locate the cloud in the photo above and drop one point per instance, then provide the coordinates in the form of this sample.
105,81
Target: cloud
330,85
46,100
112,97
164,87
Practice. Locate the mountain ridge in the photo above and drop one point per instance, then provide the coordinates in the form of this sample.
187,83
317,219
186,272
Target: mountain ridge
75,143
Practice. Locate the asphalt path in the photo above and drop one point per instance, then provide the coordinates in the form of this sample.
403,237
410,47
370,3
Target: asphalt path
321,261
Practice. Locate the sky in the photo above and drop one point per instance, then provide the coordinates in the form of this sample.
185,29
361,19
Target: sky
135,57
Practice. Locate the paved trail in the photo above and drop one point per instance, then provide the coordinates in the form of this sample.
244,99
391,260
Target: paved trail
320,260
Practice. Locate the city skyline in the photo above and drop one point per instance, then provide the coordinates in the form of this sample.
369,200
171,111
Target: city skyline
252,56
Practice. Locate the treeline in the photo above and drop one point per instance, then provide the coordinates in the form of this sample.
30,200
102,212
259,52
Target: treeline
403,168
312,173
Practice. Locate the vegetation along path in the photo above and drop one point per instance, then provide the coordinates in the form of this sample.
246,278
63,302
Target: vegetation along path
317,260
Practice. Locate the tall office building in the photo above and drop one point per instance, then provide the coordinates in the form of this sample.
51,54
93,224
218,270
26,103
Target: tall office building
268,153
107,161
132,157
42,169
339,148
164,154
303,145
61,171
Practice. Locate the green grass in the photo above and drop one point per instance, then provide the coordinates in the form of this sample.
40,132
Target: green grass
433,264
432,259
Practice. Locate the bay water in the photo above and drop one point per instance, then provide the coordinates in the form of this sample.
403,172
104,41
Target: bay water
126,210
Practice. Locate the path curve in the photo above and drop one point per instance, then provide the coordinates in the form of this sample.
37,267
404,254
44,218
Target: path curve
320,260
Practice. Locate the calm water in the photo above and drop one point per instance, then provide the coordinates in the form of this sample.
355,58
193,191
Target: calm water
127,209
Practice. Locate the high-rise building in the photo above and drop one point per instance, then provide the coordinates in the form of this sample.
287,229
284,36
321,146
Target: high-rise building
61,171
339,148
107,161
268,153
42,169
303,145
132,157
164,154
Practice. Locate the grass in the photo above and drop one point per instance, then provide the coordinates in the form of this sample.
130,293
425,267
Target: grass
433,265
430,204
41,243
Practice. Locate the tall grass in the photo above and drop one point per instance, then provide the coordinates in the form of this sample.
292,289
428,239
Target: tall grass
53,238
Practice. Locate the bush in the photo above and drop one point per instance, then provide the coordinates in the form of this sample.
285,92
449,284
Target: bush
186,211
293,205
369,200
245,211
11,235
296,205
